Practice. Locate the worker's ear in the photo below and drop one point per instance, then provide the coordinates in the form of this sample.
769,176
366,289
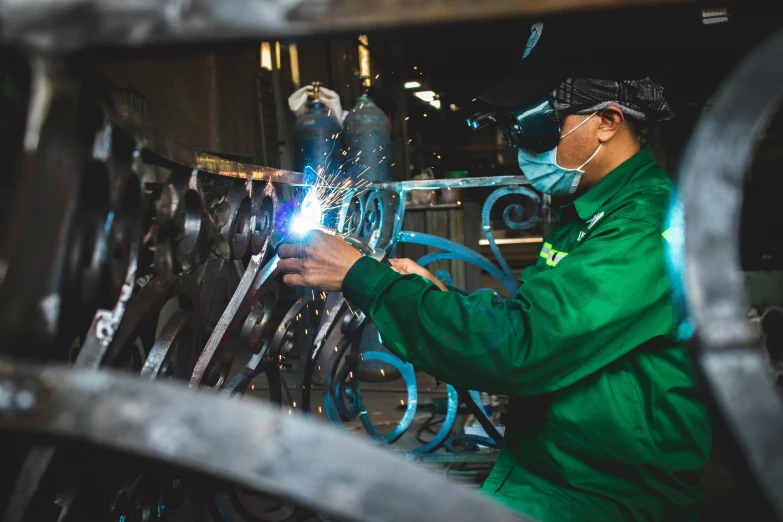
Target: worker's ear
612,120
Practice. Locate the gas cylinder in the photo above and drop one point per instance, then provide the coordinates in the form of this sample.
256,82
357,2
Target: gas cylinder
367,144
367,141
316,137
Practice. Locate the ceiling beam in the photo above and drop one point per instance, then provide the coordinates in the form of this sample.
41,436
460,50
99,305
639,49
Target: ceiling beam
64,26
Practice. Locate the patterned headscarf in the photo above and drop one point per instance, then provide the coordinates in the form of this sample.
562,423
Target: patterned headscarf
640,99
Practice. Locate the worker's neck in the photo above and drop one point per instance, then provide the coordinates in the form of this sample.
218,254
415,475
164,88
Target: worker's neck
613,154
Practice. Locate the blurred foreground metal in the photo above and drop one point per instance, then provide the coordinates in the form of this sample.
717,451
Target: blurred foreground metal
58,26
258,447
729,356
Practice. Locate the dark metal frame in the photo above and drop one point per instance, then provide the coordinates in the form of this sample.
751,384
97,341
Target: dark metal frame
728,355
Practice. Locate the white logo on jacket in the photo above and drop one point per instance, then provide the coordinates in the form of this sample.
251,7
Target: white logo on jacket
590,224
593,220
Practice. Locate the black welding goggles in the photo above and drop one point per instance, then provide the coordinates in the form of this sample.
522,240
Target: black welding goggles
533,127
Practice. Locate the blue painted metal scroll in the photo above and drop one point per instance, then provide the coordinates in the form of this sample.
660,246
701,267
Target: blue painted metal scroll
377,218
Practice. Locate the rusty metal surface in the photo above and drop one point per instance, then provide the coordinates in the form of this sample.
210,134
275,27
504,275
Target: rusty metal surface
58,26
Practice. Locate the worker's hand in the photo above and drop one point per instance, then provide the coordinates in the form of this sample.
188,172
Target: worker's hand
409,266
319,261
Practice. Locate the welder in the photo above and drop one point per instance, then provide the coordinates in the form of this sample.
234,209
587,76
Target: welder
605,422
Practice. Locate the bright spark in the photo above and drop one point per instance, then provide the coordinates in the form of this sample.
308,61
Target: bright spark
330,185
310,216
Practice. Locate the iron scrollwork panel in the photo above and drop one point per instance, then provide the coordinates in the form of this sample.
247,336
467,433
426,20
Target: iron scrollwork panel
166,257
361,216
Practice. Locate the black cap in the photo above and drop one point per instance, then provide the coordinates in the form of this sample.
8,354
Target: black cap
558,50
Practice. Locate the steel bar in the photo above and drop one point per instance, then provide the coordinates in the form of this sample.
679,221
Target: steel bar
49,188
33,469
256,447
255,276
333,309
163,148
31,295
475,408
436,184
165,344
451,458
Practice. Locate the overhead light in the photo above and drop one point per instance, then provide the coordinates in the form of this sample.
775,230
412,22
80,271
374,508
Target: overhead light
426,96
453,107
715,20
718,15
266,56
429,97
717,11
293,55
412,85
364,57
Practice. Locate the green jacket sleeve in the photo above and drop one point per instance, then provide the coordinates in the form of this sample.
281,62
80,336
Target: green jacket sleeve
607,297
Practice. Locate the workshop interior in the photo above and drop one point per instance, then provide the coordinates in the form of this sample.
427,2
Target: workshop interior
156,154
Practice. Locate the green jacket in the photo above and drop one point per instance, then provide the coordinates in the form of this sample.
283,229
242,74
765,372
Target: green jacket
605,423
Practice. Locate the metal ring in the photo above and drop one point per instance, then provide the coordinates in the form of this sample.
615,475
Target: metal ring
409,376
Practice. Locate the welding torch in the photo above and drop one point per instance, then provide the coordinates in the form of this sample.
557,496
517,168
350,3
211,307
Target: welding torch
378,254
310,217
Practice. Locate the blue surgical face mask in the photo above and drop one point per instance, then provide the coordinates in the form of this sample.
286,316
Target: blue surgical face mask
546,176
